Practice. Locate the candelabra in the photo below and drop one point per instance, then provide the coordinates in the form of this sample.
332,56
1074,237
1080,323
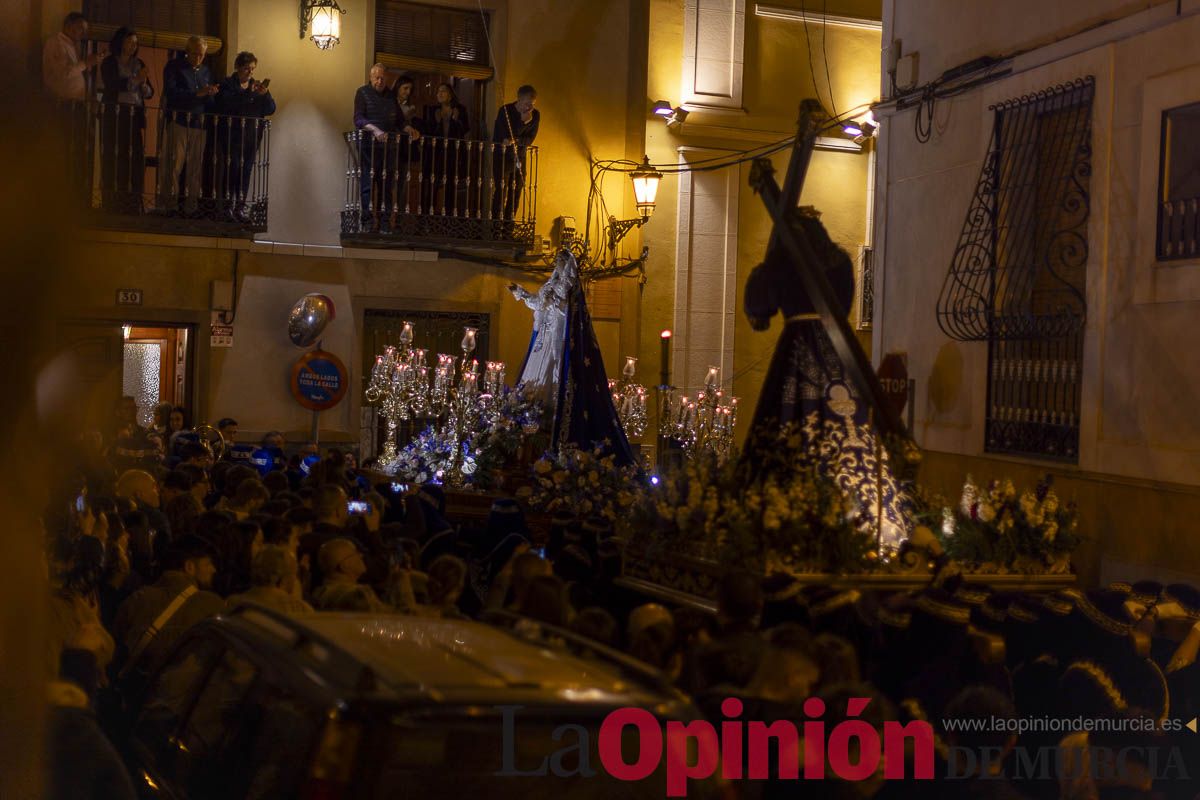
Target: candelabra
705,422
453,395
629,398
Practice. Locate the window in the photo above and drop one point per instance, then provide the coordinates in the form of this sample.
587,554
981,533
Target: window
159,23
430,38
438,45
1018,274
1179,184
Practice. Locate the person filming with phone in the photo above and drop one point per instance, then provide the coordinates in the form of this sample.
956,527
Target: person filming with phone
242,102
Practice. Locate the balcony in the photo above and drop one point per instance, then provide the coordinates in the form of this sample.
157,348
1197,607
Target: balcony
168,172
435,192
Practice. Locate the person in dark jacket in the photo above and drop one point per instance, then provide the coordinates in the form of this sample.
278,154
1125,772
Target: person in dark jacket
381,110
123,123
242,103
188,92
187,568
515,129
447,121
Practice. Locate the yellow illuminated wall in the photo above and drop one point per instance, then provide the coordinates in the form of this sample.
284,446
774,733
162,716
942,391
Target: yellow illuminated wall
597,65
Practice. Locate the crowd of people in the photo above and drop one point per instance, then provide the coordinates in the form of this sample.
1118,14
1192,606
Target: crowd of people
140,551
211,131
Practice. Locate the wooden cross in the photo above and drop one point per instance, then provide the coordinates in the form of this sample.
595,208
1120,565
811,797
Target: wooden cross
789,239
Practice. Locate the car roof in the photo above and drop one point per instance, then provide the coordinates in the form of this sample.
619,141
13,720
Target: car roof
458,660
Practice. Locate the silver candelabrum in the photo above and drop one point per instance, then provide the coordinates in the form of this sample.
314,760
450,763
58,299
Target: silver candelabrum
452,394
629,398
703,422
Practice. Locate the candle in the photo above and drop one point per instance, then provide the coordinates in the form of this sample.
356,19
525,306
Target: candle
665,339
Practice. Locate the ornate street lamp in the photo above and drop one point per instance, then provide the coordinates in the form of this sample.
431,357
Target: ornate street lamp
324,18
645,187
645,191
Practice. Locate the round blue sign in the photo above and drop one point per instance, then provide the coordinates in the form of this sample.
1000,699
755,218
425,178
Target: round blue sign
319,380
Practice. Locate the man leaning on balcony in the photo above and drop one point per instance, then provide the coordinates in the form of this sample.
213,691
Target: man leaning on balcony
380,110
64,74
188,92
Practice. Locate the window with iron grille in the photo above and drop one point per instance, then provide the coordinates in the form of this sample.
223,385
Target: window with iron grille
1018,277
1179,184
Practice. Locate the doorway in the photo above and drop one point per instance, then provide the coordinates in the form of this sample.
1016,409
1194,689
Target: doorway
149,361
155,368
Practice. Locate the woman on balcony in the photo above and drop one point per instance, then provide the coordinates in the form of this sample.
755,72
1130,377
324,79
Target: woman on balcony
123,123
447,121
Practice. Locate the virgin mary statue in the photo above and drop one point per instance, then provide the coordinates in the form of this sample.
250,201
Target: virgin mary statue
563,367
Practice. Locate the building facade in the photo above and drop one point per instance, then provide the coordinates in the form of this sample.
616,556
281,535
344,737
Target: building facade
1037,259
740,68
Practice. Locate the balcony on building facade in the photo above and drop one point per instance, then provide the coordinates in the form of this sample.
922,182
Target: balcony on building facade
437,192
151,170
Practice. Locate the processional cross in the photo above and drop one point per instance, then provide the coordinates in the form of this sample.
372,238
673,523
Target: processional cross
789,239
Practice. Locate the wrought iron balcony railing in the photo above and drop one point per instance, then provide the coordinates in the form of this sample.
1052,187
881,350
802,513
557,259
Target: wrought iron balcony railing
136,168
439,191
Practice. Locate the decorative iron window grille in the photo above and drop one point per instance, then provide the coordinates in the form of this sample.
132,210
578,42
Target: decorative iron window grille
1179,184
1018,276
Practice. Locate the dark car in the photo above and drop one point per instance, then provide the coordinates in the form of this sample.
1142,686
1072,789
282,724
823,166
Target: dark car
254,704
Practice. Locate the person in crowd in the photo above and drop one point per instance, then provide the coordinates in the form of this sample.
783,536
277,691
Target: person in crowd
447,577
646,615
201,482
597,624
732,657
175,483
981,712
446,155
342,566
515,129
545,600
274,582
330,514
141,489
127,87
228,428
378,115
504,574
243,103
281,491
188,95
248,498
80,762
153,618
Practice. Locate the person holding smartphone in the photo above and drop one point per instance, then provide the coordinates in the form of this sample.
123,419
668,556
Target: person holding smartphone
242,102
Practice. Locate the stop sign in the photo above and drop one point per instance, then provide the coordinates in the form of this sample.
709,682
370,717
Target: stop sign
893,377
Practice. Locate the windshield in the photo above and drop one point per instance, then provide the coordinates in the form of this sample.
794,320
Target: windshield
474,758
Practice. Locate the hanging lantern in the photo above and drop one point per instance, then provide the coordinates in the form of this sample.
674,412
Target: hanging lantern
324,18
645,187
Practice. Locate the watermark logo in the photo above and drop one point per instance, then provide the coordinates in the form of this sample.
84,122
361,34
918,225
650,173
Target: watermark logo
696,750
851,750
